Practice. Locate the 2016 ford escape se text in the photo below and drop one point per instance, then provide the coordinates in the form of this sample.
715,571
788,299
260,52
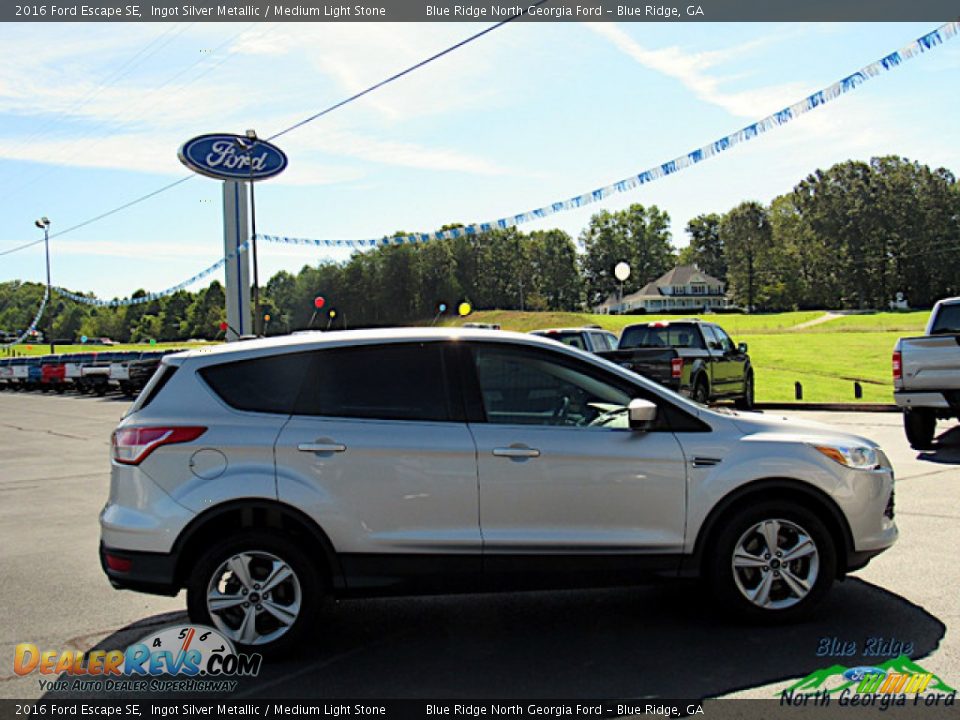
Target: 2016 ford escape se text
266,475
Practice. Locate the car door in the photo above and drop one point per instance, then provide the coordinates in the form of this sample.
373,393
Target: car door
720,365
734,363
379,454
560,472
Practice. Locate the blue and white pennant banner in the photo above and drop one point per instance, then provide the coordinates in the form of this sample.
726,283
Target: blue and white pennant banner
156,295
33,324
777,119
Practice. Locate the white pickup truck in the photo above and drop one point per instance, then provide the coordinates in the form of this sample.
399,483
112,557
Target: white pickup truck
926,374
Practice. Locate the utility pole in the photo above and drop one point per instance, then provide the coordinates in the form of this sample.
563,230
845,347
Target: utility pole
44,224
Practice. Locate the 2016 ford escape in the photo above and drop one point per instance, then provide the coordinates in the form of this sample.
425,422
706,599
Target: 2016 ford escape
264,475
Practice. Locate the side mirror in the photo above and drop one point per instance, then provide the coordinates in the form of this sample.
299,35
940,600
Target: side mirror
642,414
742,347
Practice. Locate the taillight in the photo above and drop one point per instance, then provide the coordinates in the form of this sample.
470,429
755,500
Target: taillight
676,367
131,446
897,366
118,563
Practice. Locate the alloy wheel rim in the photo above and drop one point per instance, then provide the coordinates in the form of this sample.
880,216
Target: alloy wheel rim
775,564
254,597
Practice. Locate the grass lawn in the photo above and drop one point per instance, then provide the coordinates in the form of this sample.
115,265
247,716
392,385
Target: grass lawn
732,323
827,364
826,358
905,323
44,349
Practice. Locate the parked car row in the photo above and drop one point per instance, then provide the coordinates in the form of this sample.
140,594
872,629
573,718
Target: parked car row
692,357
93,372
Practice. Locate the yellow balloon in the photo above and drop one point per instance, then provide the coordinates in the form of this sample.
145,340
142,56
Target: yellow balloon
464,309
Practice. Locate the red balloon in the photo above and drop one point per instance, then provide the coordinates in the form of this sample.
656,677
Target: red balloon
318,302
224,326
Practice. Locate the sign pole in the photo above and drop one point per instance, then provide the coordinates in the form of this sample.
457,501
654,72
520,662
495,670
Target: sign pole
235,234
236,159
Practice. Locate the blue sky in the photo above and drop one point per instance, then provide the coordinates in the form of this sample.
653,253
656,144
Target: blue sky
91,116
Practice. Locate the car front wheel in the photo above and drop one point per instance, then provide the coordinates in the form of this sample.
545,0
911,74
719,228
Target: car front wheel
772,563
701,392
259,590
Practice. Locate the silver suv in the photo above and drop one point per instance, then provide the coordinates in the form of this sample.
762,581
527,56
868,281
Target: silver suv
263,476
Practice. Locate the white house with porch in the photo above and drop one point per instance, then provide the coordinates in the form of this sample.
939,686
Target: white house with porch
686,288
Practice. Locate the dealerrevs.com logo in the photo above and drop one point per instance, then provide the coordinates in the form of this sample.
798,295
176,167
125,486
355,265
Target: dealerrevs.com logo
179,658
896,682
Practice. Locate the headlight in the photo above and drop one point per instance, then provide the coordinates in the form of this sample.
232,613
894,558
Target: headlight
859,457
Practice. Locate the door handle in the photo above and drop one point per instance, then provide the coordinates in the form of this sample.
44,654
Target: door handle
321,447
516,452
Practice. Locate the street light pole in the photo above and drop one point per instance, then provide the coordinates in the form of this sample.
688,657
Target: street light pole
44,224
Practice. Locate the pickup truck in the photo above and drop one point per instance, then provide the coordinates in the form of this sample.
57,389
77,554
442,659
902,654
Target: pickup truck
591,339
926,374
695,358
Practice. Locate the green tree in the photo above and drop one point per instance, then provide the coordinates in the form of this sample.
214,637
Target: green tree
746,235
555,273
637,235
706,246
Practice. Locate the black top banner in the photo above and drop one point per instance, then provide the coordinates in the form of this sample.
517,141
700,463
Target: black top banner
485,11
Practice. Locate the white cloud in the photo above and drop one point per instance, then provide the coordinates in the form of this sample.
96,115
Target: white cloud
692,70
137,121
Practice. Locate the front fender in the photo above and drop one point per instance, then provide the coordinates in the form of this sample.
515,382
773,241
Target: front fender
710,486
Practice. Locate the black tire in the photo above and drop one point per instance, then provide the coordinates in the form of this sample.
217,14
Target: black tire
726,583
701,391
746,402
920,425
258,541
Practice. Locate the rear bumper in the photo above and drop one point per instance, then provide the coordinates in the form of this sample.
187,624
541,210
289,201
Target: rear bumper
921,400
153,573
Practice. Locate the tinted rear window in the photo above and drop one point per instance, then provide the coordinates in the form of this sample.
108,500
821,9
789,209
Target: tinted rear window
266,384
948,320
385,382
646,336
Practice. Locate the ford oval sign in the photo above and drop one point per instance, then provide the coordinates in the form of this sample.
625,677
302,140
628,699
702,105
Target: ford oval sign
232,157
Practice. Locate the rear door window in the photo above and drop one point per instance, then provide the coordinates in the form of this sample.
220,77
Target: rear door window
383,382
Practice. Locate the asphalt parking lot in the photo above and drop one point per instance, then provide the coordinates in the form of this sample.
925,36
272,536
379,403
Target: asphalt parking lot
658,640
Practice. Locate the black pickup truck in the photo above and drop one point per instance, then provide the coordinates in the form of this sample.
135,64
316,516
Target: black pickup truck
692,357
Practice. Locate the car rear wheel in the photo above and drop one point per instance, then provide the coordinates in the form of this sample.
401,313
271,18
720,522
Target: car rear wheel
258,589
772,563
920,425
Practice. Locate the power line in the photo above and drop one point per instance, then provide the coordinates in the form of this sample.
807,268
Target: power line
301,123
122,71
400,74
128,119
